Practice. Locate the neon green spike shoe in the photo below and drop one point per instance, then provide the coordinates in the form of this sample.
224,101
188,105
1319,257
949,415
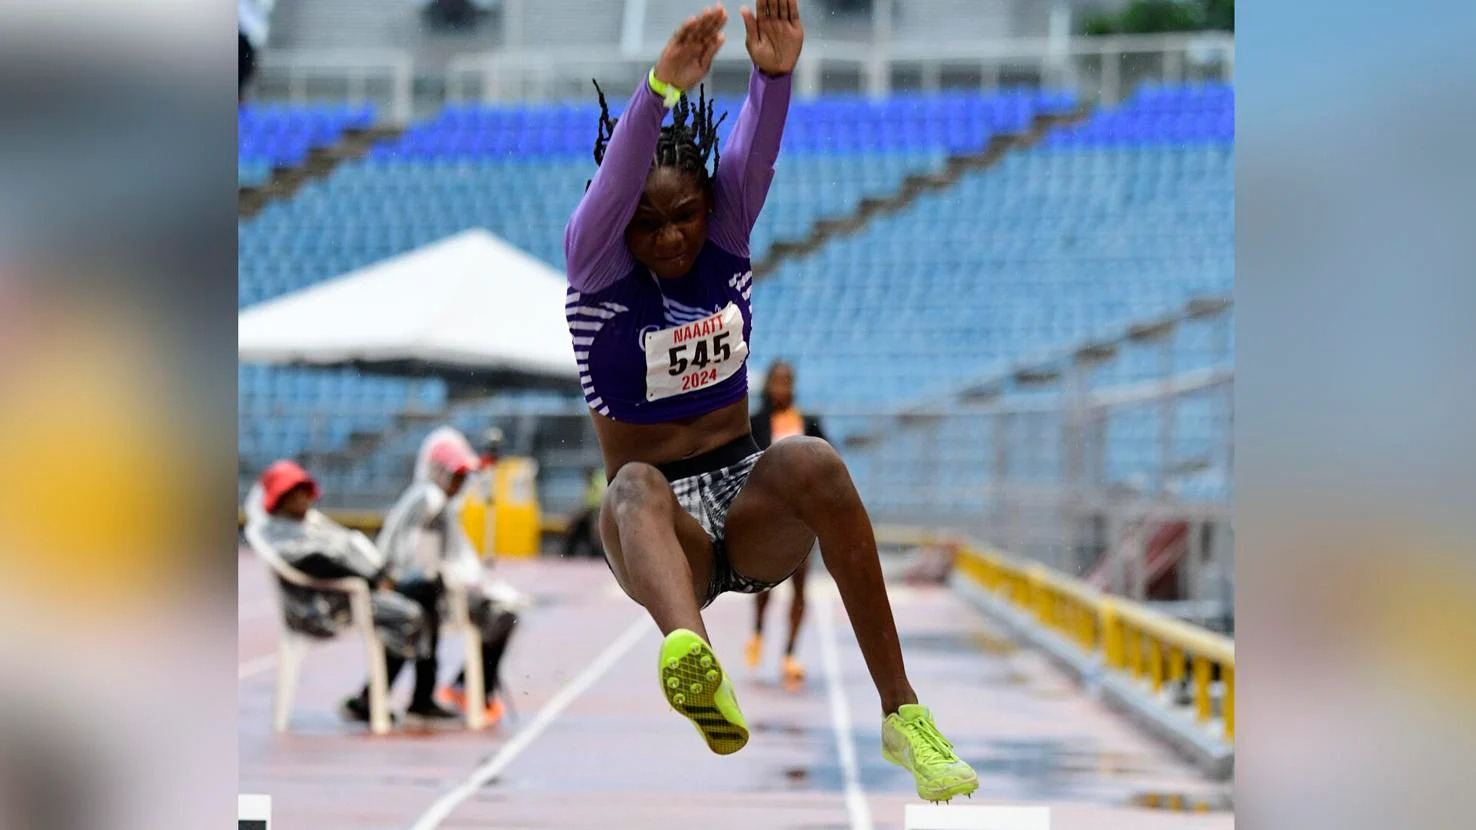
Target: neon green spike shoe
911,741
696,686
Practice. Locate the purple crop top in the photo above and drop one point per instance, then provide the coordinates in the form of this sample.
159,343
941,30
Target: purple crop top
651,350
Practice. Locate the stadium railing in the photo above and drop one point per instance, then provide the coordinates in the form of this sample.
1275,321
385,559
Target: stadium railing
1131,653
1103,68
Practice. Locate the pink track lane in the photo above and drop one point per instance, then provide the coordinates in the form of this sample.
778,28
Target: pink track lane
618,758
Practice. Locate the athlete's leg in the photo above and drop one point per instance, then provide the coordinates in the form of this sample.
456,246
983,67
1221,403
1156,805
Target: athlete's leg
797,605
791,670
661,556
755,648
663,559
760,607
799,490
800,486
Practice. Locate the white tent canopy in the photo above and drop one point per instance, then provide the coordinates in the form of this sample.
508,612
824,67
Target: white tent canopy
470,304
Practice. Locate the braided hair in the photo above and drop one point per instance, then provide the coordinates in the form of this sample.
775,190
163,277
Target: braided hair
685,144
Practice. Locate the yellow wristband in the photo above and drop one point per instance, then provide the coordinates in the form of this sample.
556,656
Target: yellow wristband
670,95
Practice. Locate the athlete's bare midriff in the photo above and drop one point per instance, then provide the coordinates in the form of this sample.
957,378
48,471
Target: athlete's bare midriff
623,443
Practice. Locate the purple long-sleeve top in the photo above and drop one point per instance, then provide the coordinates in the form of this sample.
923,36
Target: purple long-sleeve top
649,349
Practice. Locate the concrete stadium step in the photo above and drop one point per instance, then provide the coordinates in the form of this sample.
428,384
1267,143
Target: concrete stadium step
321,162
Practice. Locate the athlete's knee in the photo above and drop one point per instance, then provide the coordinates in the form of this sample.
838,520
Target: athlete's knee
638,489
816,471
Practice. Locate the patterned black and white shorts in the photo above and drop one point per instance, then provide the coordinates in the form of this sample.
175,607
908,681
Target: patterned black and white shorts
705,487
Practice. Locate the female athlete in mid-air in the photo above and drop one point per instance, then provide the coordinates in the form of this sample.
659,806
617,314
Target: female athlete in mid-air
658,309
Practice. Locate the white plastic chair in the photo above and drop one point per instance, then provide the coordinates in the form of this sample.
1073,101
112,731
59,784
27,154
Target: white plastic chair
292,647
458,609
456,580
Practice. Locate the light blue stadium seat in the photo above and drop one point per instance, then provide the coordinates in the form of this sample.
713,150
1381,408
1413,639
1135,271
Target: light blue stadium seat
1127,215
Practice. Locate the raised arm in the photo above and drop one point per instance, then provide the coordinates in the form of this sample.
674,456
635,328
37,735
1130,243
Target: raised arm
594,240
746,168
774,37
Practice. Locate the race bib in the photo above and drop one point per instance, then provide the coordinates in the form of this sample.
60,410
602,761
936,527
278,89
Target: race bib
695,355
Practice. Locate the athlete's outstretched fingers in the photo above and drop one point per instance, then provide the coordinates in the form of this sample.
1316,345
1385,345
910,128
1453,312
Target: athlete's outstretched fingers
713,20
685,32
791,10
711,51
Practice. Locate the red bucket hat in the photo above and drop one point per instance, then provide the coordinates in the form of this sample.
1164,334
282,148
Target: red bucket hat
280,478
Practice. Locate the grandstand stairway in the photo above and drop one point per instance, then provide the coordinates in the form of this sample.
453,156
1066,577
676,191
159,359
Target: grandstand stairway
914,185
320,162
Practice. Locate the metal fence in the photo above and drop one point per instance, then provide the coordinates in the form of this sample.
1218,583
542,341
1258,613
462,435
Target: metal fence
1100,69
1093,461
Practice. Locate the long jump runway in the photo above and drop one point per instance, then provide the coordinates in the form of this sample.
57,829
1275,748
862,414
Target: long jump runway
593,744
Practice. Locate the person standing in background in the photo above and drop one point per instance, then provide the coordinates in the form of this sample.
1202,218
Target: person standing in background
776,420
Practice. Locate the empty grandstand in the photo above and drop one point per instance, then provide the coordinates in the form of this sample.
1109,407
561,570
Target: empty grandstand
1000,258
910,253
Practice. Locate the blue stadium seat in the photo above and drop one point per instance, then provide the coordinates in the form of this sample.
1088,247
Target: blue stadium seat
1126,215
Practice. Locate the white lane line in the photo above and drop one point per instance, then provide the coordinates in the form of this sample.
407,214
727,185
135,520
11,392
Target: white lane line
257,665
443,806
840,717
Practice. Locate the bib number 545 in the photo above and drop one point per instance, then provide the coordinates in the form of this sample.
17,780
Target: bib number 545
704,351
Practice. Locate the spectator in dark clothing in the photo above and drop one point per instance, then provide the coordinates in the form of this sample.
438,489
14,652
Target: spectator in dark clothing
776,420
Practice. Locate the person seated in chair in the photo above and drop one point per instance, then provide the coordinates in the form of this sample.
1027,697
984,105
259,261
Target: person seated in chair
323,549
427,548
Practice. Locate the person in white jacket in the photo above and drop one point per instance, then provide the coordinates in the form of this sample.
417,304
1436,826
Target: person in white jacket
321,548
427,549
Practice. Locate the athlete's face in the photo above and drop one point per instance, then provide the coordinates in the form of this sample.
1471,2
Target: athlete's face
670,223
779,386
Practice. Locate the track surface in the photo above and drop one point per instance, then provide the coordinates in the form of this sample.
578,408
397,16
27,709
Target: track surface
600,749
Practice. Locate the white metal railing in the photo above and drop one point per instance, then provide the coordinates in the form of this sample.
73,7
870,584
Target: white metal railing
1101,68
380,76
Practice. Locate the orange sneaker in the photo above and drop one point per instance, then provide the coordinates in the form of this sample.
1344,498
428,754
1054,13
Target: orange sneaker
794,673
754,650
456,696
494,713
453,696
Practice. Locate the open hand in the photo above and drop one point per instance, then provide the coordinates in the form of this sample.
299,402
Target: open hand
688,55
775,35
